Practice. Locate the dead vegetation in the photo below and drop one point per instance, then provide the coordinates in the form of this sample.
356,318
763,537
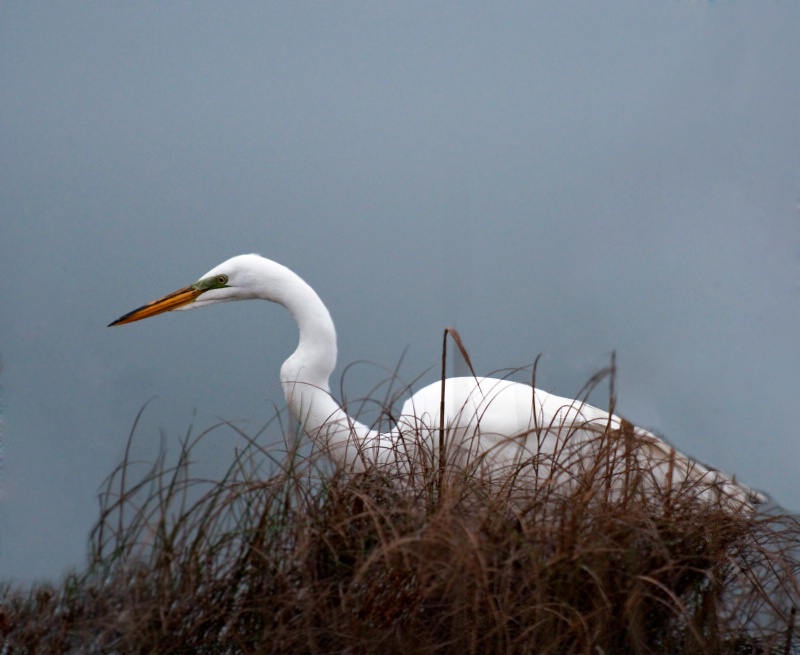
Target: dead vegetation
306,560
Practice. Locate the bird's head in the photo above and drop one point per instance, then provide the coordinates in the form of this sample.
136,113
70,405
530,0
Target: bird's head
230,280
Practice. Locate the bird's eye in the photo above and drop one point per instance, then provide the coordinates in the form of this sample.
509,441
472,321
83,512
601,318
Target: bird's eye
222,279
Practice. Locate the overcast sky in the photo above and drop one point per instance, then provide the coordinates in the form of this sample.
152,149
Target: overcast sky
566,178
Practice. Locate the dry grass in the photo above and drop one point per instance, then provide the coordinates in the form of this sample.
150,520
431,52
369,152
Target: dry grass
308,561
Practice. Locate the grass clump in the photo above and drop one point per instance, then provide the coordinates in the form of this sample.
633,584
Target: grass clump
309,560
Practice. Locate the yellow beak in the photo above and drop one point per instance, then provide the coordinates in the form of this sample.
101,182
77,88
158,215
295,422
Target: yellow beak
172,301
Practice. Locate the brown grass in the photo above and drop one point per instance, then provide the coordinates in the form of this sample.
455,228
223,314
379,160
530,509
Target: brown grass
309,561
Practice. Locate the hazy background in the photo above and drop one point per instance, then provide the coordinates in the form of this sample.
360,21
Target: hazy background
567,178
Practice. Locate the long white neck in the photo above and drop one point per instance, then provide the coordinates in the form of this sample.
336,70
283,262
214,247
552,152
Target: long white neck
305,375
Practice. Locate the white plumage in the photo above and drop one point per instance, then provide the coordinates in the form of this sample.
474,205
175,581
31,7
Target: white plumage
492,426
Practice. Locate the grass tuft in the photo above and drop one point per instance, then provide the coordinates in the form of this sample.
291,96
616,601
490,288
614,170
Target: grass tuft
306,560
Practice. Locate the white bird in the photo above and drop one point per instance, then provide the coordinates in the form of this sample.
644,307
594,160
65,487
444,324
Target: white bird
491,425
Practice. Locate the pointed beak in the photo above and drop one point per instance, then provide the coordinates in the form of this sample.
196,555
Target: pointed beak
174,300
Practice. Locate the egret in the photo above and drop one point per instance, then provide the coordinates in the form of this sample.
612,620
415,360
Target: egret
500,424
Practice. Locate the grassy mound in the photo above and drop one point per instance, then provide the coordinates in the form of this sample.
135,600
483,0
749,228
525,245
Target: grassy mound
308,560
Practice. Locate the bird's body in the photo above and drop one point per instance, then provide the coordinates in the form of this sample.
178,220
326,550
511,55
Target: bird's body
490,425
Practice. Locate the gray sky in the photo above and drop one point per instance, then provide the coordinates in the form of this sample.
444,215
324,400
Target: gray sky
565,178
